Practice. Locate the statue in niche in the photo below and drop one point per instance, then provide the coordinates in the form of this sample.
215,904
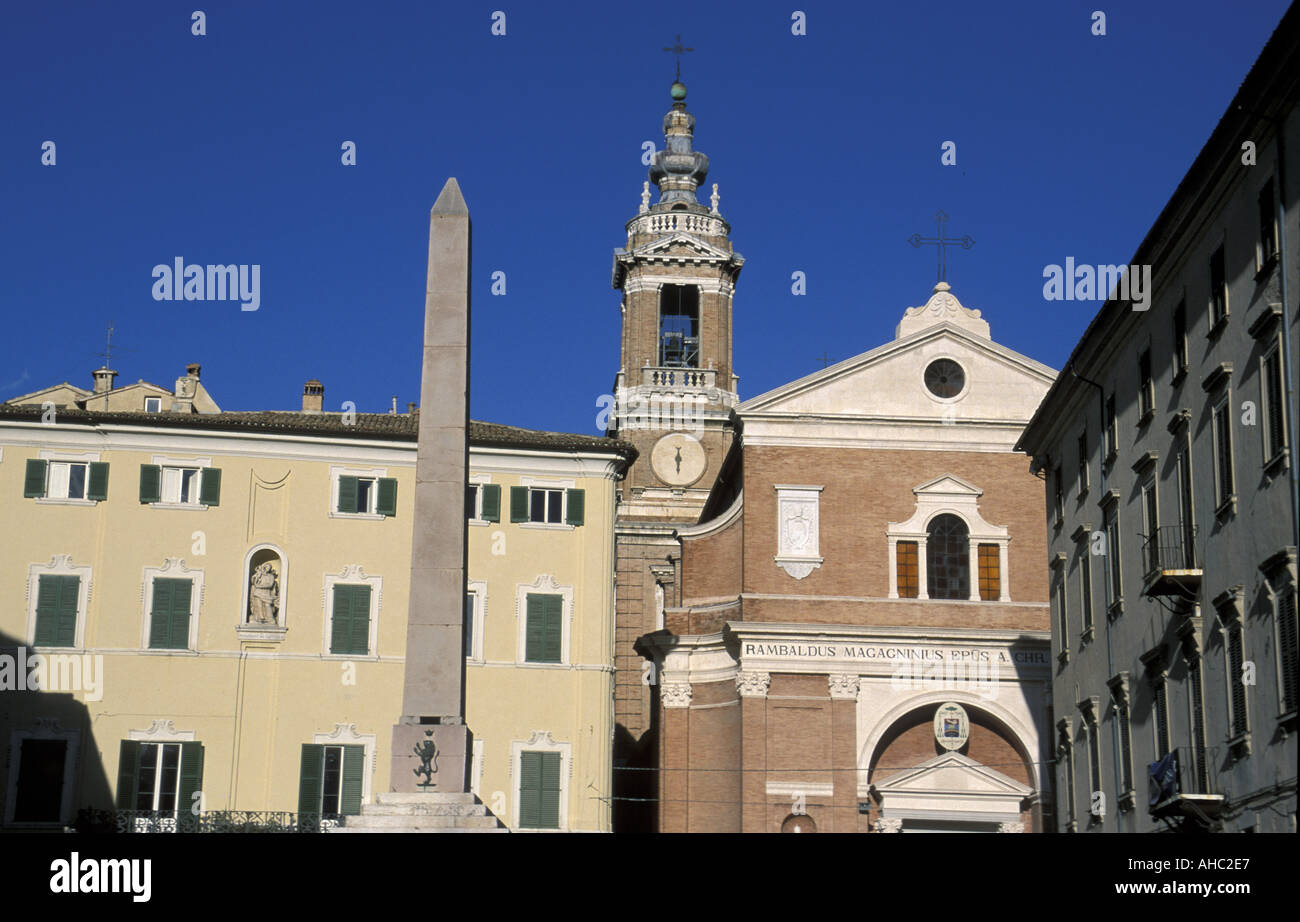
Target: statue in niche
264,594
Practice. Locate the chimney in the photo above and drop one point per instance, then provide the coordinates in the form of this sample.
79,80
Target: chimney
103,379
313,396
192,370
410,407
394,411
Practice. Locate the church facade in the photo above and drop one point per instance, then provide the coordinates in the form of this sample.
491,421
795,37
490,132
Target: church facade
860,640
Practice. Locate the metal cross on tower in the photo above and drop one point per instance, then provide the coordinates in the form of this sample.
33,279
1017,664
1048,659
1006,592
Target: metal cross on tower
940,242
677,50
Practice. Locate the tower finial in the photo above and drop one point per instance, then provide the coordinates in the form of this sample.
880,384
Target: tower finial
677,50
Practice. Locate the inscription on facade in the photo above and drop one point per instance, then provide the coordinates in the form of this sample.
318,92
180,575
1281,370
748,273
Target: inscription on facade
874,653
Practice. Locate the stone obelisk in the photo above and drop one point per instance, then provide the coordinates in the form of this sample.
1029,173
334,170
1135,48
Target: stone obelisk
433,689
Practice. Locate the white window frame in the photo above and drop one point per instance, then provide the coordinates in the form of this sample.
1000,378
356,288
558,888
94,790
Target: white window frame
545,584
54,457
1274,349
157,400
345,734
479,481
363,473
564,486
479,589
172,568
1114,559
540,741
43,729
351,574
172,464
59,565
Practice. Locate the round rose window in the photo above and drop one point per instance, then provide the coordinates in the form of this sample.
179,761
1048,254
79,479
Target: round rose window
945,378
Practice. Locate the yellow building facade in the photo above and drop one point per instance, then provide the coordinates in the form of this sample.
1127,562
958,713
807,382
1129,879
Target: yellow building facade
214,607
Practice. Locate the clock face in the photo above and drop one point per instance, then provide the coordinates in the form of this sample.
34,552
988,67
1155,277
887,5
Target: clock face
678,459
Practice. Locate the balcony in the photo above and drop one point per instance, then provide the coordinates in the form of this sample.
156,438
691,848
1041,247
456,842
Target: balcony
676,379
1169,562
671,222
1171,802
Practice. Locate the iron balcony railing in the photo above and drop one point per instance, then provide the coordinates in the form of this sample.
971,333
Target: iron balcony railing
1170,547
146,821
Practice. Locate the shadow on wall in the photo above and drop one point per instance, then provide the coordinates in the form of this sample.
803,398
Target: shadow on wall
51,766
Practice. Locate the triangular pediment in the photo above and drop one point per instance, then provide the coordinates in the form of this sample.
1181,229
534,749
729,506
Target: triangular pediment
679,245
953,773
947,485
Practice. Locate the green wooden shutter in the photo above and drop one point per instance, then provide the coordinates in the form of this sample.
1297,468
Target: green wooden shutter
97,488
311,780
549,808
530,789
128,766
386,500
519,504
577,502
354,761
491,502
160,614
34,482
150,483
210,487
341,622
471,499
543,632
554,629
169,626
56,611
360,620
191,781
347,494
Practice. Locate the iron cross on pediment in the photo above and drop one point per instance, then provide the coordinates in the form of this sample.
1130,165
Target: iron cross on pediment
677,50
941,242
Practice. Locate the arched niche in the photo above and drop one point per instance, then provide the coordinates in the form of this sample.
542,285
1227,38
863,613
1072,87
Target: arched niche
266,576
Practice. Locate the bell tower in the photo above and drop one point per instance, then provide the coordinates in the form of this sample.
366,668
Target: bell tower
675,389
675,399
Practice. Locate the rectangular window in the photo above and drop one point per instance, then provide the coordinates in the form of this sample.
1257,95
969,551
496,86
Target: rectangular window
39,793
1161,707
546,506
1067,756
1085,586
1186,516
908,571
169,614
1125,749
544,631
159,777
1195,701
1223,478
350,621
1084,481
1180,338
1267,225
1274,406
1147,389
1112,428
1094,761
468,625
366,495
539,790
1151,523
330,780
1062,616
990,564
1058,496
1286,647
180,485
153,404
471,501
1112,555
1236,657
67,480
1218,289
56,611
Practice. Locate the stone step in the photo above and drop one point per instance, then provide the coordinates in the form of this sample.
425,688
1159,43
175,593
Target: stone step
356,830
424,810
431,798
412,823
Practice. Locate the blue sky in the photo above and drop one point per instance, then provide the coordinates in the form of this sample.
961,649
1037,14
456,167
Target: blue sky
225,148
